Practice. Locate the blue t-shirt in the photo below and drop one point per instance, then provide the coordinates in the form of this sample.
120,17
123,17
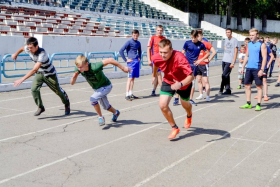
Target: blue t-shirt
192,50
205,39
255,55
133,49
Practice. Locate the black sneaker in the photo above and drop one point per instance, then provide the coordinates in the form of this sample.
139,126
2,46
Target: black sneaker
67,109
128,98
39,111
134,97
270,75
278,84
227,92
153,93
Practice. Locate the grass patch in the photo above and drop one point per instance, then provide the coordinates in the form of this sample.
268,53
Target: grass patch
270,34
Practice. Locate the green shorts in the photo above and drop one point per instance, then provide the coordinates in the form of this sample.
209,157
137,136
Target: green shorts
184,94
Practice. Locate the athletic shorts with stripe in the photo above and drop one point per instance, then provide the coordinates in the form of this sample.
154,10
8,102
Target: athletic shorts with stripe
184,94
203,70
100,95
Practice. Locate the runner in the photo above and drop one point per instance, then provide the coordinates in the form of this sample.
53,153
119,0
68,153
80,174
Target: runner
177,78
203,68
192,49
230,55
256,57
151,51
133,50
45,73
99,82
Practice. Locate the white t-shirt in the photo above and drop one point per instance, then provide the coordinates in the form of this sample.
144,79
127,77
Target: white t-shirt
242,56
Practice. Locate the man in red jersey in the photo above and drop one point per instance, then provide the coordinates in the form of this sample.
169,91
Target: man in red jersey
153,49
203,68
177,78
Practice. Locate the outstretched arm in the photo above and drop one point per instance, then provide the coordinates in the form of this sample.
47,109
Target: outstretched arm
29,74
74,78
14,56
115,63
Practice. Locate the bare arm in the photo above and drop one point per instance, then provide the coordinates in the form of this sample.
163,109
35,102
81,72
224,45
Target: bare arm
14,56
29,74
149,56
264,57
74,78
234,57
207,53
183,51
177,85
270,60
214,52
115,63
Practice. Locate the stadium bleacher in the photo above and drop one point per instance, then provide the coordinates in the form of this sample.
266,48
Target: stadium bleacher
118,19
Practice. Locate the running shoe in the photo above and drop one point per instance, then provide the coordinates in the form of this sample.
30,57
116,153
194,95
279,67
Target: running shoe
227,92
188,122
39,111
193,103
239,87
208,98
277,85
258,108
134,97
128,98
153,93
176,102
101,121
115,116
265,98
173,133
246,106
67,109
200,97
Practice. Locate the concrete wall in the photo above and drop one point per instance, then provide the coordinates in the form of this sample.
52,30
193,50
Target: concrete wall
184,17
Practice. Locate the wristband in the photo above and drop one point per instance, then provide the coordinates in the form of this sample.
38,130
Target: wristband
181,84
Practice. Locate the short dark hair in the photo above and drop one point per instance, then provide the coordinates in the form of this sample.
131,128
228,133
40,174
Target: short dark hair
242,46
247,39
135,32
229,29
165,42
267,37
160,26
199,31
194,33
32,40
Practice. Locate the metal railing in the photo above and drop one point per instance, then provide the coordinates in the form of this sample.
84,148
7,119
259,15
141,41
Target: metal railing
98,56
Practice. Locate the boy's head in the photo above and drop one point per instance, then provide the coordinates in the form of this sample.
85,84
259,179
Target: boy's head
194,36
165,49
247,40
135,34
254,34
229,32
159,30
267,39
275,40
242,48
81,63
200,35
32,44
261,39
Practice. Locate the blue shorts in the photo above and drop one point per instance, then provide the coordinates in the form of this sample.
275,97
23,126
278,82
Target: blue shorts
252,74
135,68
153,66
194,69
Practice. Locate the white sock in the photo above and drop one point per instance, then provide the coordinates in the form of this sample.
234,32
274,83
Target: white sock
130,92
127,93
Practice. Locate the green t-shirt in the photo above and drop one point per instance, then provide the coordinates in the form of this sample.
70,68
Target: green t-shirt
95,76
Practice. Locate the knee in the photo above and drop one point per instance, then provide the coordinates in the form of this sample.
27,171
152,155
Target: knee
163,107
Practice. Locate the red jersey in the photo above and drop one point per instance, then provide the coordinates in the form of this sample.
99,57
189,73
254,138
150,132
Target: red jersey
153,43
176,68
202,53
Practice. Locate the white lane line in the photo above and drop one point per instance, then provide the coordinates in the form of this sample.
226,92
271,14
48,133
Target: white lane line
11,115
78,89
72,122
11,109
196,151
91,149
274,176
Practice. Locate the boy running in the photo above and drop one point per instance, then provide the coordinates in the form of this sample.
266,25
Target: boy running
99,82
153,49
203,68
45,73
177,78
256,57
133,50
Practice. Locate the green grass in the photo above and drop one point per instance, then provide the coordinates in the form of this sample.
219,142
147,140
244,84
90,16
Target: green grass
261,34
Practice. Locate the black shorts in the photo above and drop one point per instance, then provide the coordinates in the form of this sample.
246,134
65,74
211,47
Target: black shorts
252,74
265,73
184,94
194,69
203,70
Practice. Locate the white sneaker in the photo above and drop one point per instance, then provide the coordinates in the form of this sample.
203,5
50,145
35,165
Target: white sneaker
207,98
199,97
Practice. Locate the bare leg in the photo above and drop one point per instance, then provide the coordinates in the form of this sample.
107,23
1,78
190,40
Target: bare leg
248,91
187,106
159,78
98,110
192,90
128,84
265,87
260,93
131,84
199,82
163,104
113,110
207,85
